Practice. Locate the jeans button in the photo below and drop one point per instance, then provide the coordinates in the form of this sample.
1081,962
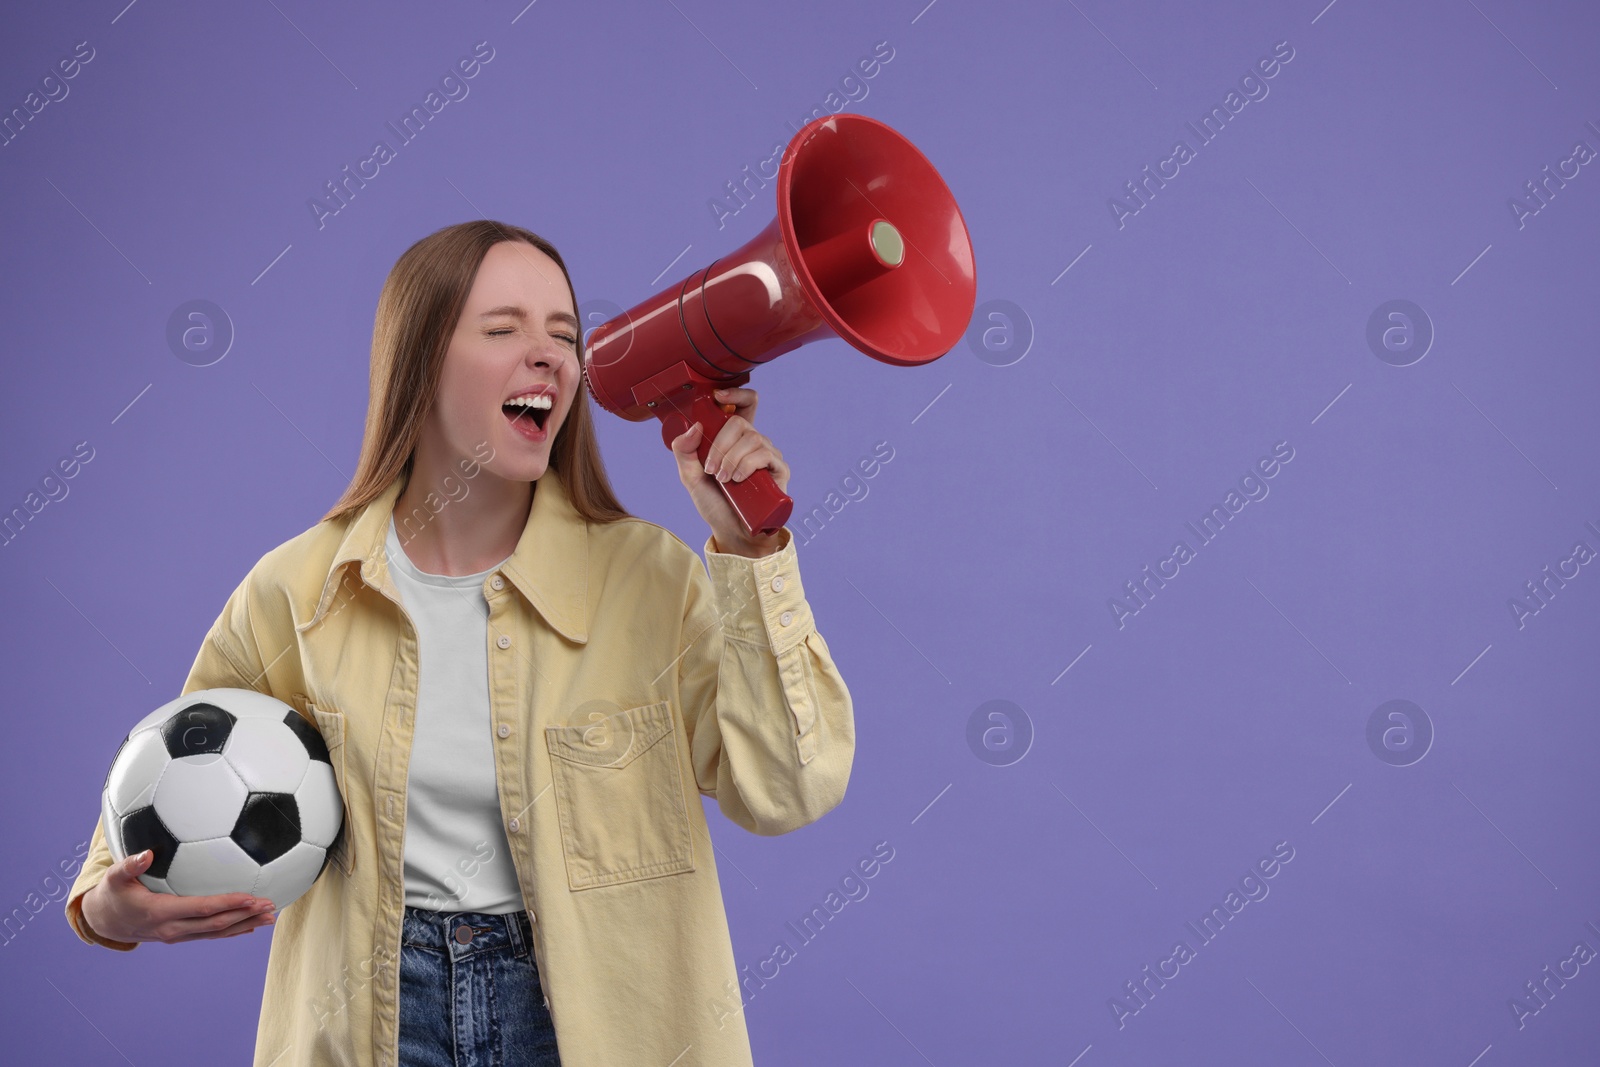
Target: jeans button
463,934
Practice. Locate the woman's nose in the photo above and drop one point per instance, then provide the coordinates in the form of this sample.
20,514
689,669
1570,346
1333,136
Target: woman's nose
548,352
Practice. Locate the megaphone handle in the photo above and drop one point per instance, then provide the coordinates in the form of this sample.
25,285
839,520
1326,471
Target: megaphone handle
762,507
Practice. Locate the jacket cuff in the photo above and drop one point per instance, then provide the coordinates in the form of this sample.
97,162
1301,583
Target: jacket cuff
760,600
81,926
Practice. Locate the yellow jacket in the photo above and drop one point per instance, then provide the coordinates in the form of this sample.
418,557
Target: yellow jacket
624,681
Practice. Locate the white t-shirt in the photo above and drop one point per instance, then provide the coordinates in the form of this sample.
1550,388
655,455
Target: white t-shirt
457,857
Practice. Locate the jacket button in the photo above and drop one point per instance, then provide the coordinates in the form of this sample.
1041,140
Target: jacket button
497,582
777,584
504,642
786,618
516,824
504,731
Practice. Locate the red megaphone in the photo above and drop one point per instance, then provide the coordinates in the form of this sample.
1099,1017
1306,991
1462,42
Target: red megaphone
868,245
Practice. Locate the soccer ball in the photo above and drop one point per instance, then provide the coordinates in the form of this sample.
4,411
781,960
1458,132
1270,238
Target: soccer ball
233,792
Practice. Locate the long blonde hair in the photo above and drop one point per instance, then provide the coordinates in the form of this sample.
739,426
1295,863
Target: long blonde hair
417,313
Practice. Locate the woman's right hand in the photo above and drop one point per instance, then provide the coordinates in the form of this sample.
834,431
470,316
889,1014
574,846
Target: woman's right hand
122,908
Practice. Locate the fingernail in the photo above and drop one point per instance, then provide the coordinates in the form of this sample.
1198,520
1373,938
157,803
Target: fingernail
722,476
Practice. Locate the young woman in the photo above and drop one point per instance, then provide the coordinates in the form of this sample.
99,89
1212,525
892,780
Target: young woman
524,690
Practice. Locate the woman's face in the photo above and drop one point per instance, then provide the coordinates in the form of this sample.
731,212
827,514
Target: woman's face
518,335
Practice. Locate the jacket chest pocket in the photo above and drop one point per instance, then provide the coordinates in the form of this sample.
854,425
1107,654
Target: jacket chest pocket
331,724
619,797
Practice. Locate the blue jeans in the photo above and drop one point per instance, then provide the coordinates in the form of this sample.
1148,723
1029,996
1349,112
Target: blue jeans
470,994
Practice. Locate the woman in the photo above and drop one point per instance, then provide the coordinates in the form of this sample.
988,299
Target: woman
523,690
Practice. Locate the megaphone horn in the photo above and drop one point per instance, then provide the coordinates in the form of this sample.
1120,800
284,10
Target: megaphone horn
868,245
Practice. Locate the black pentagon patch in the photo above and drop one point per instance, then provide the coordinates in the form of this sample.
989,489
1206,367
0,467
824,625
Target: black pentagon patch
143,829
309,736
268,826
196,730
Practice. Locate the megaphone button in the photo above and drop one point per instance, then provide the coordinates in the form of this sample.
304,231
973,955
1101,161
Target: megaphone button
887,243
777,584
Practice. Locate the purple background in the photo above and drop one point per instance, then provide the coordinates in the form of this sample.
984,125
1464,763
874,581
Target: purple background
1036,468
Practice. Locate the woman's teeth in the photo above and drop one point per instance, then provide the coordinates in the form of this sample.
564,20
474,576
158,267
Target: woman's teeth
537,408
546,402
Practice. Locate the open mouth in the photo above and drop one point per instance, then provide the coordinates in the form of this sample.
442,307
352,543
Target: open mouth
523,410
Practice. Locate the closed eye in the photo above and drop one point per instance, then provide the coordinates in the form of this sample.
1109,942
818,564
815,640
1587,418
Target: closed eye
571,340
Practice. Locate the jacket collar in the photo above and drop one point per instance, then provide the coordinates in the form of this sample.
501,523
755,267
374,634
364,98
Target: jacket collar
549,567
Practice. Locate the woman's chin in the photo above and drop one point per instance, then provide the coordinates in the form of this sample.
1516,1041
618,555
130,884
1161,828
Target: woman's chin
527,470
517,461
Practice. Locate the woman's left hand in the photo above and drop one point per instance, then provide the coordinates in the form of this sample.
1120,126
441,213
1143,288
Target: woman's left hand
738,451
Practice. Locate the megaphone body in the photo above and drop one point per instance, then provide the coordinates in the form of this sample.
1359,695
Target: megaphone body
867,244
